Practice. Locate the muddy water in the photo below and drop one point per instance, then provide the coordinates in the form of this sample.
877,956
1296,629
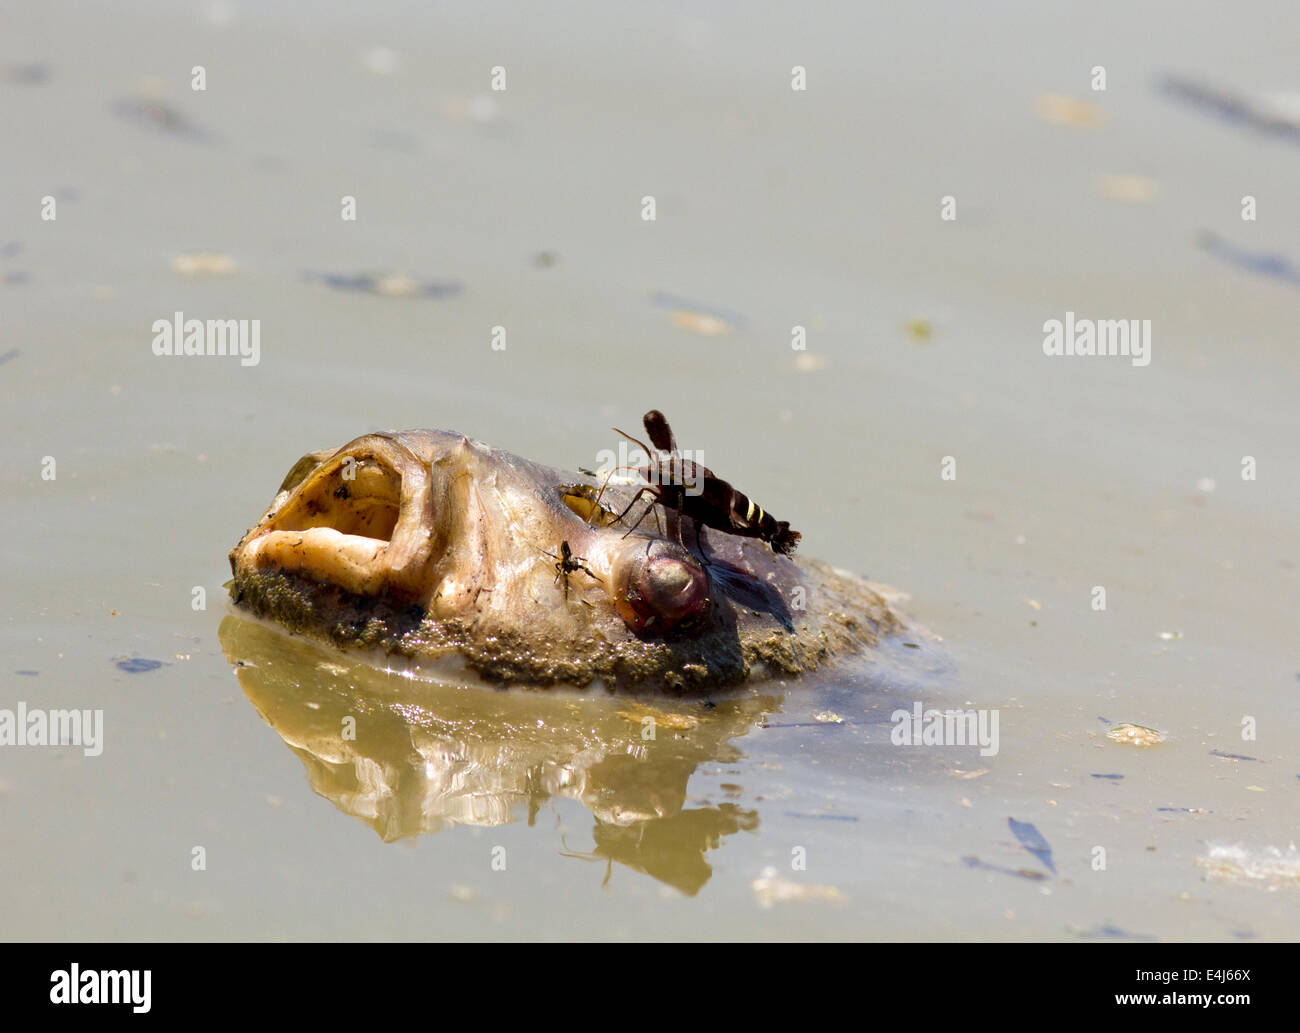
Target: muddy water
782,811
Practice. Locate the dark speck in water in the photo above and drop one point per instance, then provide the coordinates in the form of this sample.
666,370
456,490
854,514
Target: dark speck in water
805,724
662,299
31,674
1277,266
154,114
1020,873
33,73
1230,756
1113,778
1033,841
137,664
388,285
1111,932
822,817
395,140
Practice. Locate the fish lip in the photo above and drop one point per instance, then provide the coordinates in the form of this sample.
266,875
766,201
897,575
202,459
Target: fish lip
392,561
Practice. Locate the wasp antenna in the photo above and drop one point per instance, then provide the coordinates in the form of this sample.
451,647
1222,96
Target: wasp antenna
639,444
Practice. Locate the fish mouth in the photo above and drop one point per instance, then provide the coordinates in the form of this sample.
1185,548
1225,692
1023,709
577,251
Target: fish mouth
360,518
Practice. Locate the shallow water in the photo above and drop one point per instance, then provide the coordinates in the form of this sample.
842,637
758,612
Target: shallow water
775,208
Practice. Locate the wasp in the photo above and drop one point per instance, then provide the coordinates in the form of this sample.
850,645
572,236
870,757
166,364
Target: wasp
711,501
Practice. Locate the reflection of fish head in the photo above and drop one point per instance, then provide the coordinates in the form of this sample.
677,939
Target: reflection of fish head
673,849
411,757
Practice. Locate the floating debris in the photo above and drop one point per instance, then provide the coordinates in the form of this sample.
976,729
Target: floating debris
919,329
155,114
1113,778
707,326
1231,756
802,724
12,353
388,285
1276,116
33,73
1185,810
1061,110
1135,735
1268,867
1109,932
136,664
482,109
807,362
821,817
1170,636
1279,267
395,140
1135,189
772,890
546,259
203,263
828,717
31,674
1020,873
1033,841
677,722
697,316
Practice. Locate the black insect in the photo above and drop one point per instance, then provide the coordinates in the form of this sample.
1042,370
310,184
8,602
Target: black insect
567,563
683,486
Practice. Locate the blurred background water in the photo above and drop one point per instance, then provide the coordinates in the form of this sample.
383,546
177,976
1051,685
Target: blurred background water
775,208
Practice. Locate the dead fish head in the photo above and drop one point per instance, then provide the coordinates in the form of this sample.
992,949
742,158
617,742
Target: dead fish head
428,543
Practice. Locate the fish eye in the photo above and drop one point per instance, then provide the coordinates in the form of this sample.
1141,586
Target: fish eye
665,586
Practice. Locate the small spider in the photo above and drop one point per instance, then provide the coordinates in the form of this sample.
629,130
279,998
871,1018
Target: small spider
566,564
